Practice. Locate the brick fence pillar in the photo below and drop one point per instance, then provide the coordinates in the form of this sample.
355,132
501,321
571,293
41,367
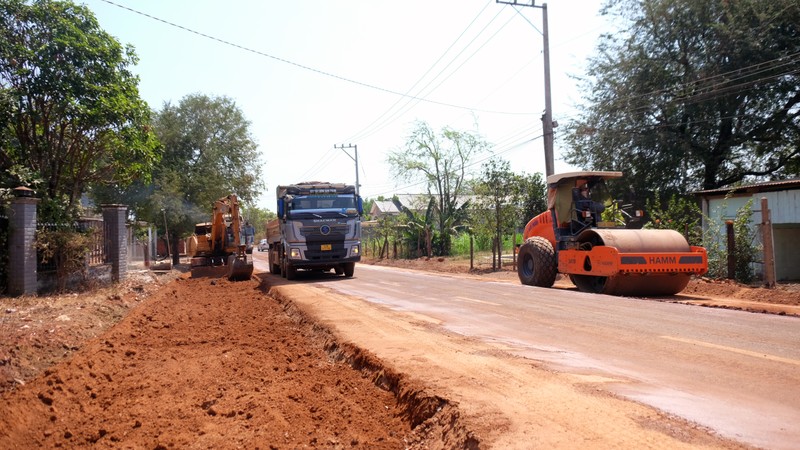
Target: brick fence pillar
116,239
22,243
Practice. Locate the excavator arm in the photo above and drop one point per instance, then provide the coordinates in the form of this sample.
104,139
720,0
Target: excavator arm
224,252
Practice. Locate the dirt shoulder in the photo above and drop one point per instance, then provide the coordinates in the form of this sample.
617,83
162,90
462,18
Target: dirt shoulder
164,361
500,400
205,364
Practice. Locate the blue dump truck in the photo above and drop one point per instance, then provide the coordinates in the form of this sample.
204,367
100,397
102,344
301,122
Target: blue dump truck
318,228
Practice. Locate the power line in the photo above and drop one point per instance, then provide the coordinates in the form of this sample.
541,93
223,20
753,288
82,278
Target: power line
304,67
712,80
409,103
363,133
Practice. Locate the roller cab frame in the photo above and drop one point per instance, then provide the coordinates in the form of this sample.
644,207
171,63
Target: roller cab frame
603,256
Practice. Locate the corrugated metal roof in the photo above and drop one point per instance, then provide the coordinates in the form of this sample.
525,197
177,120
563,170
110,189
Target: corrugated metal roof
766,186
384,207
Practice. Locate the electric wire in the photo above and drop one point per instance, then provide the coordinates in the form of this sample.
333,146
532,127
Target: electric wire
738,74
363,132
304,67
411,102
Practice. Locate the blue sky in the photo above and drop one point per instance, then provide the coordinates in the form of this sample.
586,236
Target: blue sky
312,74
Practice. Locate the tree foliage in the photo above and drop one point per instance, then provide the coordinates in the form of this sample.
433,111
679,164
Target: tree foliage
258,217
530,195
67,248
679,214
208,149
693,94
494,209
209,153
442,162
505,201
418,228
70,112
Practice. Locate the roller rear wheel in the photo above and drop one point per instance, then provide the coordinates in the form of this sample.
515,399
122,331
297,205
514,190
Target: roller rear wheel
536,265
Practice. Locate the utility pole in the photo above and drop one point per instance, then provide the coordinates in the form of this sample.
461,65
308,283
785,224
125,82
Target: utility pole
355,151
547,118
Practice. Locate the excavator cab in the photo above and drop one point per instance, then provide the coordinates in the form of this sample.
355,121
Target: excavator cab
218,248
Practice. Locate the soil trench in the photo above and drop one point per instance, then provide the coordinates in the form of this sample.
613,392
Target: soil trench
216,364
202,363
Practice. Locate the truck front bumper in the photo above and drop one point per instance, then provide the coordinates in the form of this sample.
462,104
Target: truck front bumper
322,263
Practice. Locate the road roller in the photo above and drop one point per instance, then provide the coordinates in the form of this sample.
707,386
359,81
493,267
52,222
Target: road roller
584,234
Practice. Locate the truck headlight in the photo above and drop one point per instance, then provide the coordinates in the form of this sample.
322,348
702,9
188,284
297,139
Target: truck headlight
294,253
356,249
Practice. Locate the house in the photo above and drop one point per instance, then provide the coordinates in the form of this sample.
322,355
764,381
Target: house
381,208
783,201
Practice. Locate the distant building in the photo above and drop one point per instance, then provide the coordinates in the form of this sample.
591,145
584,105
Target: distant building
381,208
783,198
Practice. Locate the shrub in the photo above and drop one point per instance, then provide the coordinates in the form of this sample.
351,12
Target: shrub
67,248
746,251
680,214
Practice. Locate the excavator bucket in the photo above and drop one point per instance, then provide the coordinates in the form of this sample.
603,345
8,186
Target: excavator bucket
239,268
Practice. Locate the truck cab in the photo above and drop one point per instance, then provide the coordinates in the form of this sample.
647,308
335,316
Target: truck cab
318,228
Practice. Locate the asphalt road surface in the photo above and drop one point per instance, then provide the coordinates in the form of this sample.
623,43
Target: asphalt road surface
735,372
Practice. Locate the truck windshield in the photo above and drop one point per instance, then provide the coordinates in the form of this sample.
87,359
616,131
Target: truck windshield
320,204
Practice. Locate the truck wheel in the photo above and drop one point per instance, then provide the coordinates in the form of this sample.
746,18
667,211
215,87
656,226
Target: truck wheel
338,270
291,271
348,269
274,269
537,263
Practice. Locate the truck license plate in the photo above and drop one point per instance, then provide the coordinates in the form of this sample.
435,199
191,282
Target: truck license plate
325,247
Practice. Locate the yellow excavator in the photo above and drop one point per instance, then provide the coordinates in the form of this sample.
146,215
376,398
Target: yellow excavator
218,248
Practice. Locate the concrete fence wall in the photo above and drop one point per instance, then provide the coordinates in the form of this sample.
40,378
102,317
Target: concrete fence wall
22,224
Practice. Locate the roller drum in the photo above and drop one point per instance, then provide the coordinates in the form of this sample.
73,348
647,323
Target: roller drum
635,241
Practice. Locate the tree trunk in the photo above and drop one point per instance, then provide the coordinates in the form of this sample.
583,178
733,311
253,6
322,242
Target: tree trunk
499,251
494,253
428,241
176,257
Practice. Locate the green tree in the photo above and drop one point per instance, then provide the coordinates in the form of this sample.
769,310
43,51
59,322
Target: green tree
494,208
505,201
746,244
258,217
418,228
70,115
679,214
530,196
441,162
209,153
693,94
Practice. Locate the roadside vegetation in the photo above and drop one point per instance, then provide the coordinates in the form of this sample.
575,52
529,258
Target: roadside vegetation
687,95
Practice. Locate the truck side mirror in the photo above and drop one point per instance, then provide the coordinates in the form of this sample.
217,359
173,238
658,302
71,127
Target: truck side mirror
280,208
360,206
